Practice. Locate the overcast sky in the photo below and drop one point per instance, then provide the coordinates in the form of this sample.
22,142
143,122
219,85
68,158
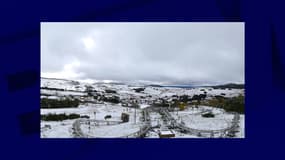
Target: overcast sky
180,53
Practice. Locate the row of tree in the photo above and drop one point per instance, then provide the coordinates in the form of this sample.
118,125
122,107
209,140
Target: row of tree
59,103
234,104
59,117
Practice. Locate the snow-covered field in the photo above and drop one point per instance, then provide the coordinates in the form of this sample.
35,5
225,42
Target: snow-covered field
57,129
97,110
111,131
193,119
62,93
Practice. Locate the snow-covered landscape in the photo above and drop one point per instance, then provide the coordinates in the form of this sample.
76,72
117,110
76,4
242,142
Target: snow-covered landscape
147,117
142,80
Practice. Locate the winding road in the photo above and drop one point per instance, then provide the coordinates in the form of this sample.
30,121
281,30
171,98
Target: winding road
77,132
223,132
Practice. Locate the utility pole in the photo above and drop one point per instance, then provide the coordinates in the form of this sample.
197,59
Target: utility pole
177,110
135,115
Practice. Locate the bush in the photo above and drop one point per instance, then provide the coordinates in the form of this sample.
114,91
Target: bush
220,97
59,117
110,91
107,117
139,89
208,115
184,98
49,88
114,99
199,97
182,106
85,116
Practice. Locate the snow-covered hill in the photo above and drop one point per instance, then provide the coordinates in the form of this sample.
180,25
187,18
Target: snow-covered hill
124,90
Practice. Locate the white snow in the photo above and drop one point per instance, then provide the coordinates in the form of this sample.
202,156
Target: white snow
165,132
108,131
144,106
61,129
191,116
193,119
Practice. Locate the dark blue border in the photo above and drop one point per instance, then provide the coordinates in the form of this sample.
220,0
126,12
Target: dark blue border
20,69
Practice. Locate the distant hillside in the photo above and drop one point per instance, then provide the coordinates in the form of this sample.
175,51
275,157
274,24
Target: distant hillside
60,79
154,85
179,86
230,85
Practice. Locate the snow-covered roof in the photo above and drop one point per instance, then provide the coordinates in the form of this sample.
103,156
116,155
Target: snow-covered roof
53,97
144,106
165,132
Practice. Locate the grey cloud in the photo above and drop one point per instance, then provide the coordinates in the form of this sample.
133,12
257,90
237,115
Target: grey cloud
173,52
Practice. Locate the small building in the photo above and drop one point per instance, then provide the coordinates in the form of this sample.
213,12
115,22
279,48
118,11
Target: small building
166,134
125,104
125,117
